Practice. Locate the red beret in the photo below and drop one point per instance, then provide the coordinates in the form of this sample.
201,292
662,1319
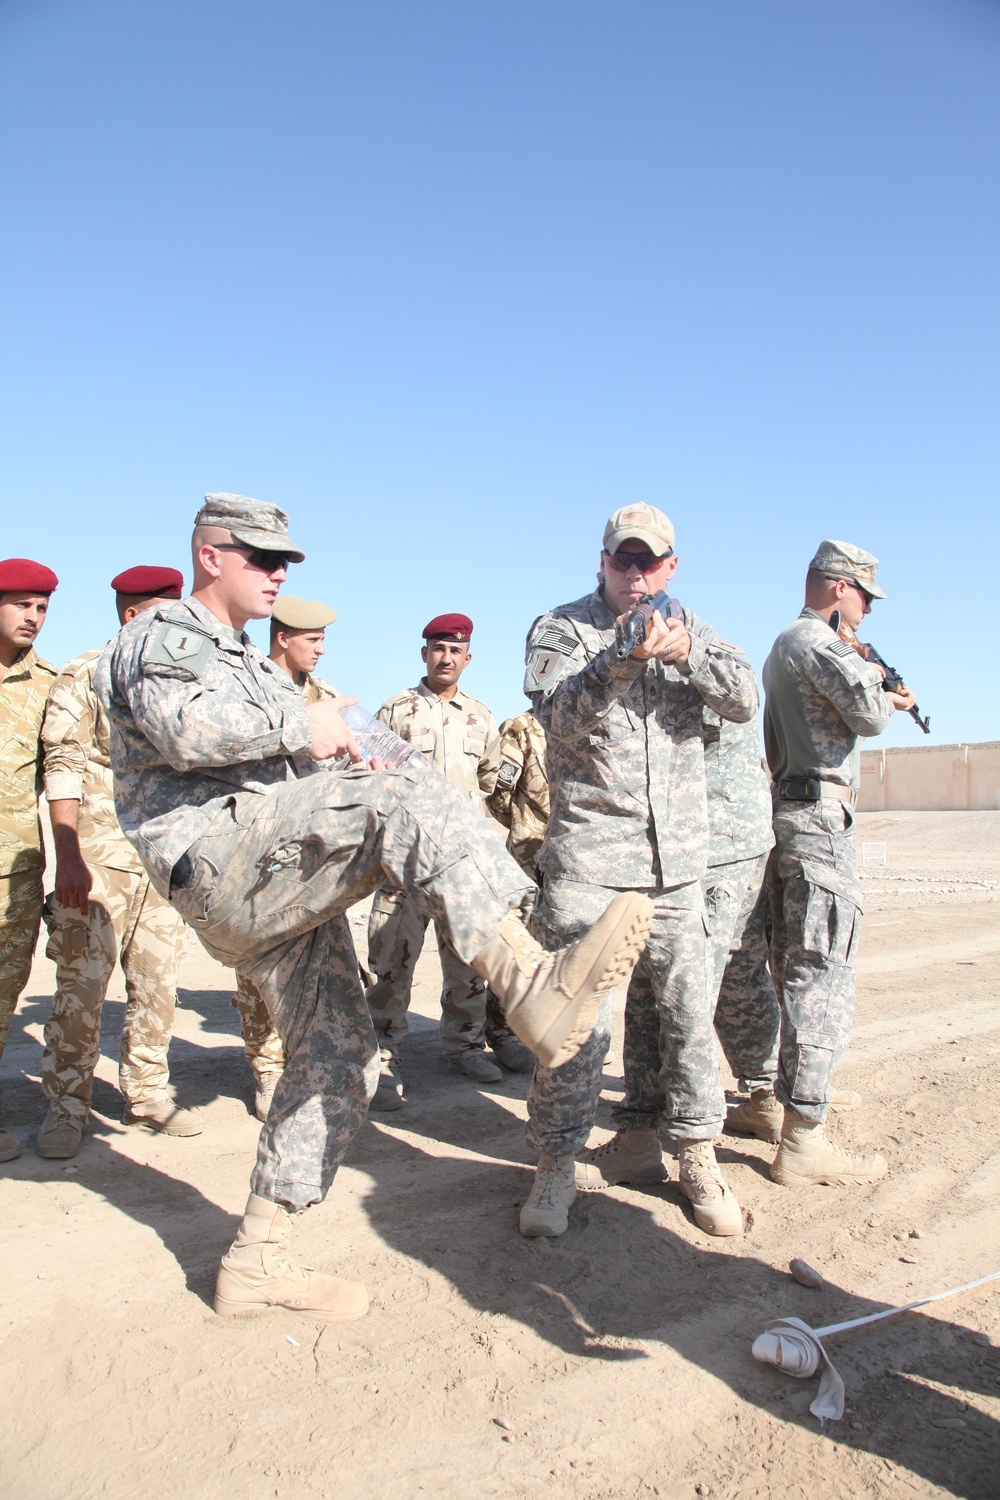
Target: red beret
448,627
21,575
154,583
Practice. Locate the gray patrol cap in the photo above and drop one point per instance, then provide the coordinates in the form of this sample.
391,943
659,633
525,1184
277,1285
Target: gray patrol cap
252,523
842,560
302,614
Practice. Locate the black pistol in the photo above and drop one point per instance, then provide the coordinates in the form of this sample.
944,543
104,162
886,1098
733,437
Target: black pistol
632,632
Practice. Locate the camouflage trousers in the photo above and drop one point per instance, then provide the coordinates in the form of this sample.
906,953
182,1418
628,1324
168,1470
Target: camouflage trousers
270,882
675,1082
20,913
127,919
396,931
815,897
747,1014
262,1046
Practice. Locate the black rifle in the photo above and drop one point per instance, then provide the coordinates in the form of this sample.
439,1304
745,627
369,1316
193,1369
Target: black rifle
633,632
891,682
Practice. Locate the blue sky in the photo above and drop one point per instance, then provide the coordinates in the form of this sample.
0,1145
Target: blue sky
451,281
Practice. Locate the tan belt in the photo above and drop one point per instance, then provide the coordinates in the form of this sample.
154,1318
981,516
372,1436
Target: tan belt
813,789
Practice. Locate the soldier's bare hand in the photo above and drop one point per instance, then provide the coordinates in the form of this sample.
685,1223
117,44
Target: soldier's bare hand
73,882
904,699
331,736
666,640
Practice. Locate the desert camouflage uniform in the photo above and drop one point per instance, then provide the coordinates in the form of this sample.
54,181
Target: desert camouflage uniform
520,803
126,917
820,696
627,783
23,692
262,1046
460,737
214,786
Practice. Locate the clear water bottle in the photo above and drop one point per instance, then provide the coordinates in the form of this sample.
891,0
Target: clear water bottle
375,741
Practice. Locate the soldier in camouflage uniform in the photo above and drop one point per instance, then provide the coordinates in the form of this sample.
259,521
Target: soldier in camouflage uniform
520,802
103,907
820,697
254,816
298,633
627,781
25,680
459,735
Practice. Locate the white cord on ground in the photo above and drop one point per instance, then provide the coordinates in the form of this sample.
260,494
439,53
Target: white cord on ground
792,1346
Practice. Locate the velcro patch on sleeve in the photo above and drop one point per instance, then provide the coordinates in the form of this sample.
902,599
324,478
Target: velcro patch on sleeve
840,648
555,639
178,648
507,774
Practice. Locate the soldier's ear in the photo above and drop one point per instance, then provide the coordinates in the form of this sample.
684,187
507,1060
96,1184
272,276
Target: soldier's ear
423,653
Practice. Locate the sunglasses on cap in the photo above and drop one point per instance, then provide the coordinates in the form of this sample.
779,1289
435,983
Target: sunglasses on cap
257,557
646,562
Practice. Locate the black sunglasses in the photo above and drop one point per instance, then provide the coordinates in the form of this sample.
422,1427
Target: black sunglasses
257,557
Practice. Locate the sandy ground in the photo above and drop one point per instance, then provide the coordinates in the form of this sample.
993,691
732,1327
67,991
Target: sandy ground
614,1361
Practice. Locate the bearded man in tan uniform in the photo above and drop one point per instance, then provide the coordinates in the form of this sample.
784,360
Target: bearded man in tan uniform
25,680
298,632
458,734
103,908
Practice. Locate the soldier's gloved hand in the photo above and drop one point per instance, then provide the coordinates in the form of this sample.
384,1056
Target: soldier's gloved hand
331,735
904,699
73,882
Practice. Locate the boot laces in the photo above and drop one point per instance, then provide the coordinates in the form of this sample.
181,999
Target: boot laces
702,1171
546,1181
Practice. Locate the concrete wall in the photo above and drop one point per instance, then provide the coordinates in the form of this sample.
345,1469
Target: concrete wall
932,778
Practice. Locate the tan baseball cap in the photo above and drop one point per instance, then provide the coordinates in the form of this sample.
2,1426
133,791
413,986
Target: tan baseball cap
640,523
302,614
252,523
842,560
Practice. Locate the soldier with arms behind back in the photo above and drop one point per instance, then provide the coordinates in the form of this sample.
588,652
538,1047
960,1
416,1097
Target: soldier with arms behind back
821,697
459,735
103,907
25,681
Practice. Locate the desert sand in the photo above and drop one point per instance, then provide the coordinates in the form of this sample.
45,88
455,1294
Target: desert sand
613,1362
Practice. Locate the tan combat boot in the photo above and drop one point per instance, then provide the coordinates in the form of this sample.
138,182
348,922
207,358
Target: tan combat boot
701,1181
256,1273
632,1156
389,1094
10,1146
60,1135
845,1099
806,1158
761,1116
551,1000
553,1193
163,1116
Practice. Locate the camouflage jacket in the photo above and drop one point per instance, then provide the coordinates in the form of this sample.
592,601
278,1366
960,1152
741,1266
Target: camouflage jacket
739,797
197,715
626,759
459,735
314,689
820,695
76,740
22,703
520,799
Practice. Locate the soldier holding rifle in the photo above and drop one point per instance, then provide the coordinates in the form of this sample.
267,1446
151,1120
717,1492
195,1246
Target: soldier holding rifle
821,697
